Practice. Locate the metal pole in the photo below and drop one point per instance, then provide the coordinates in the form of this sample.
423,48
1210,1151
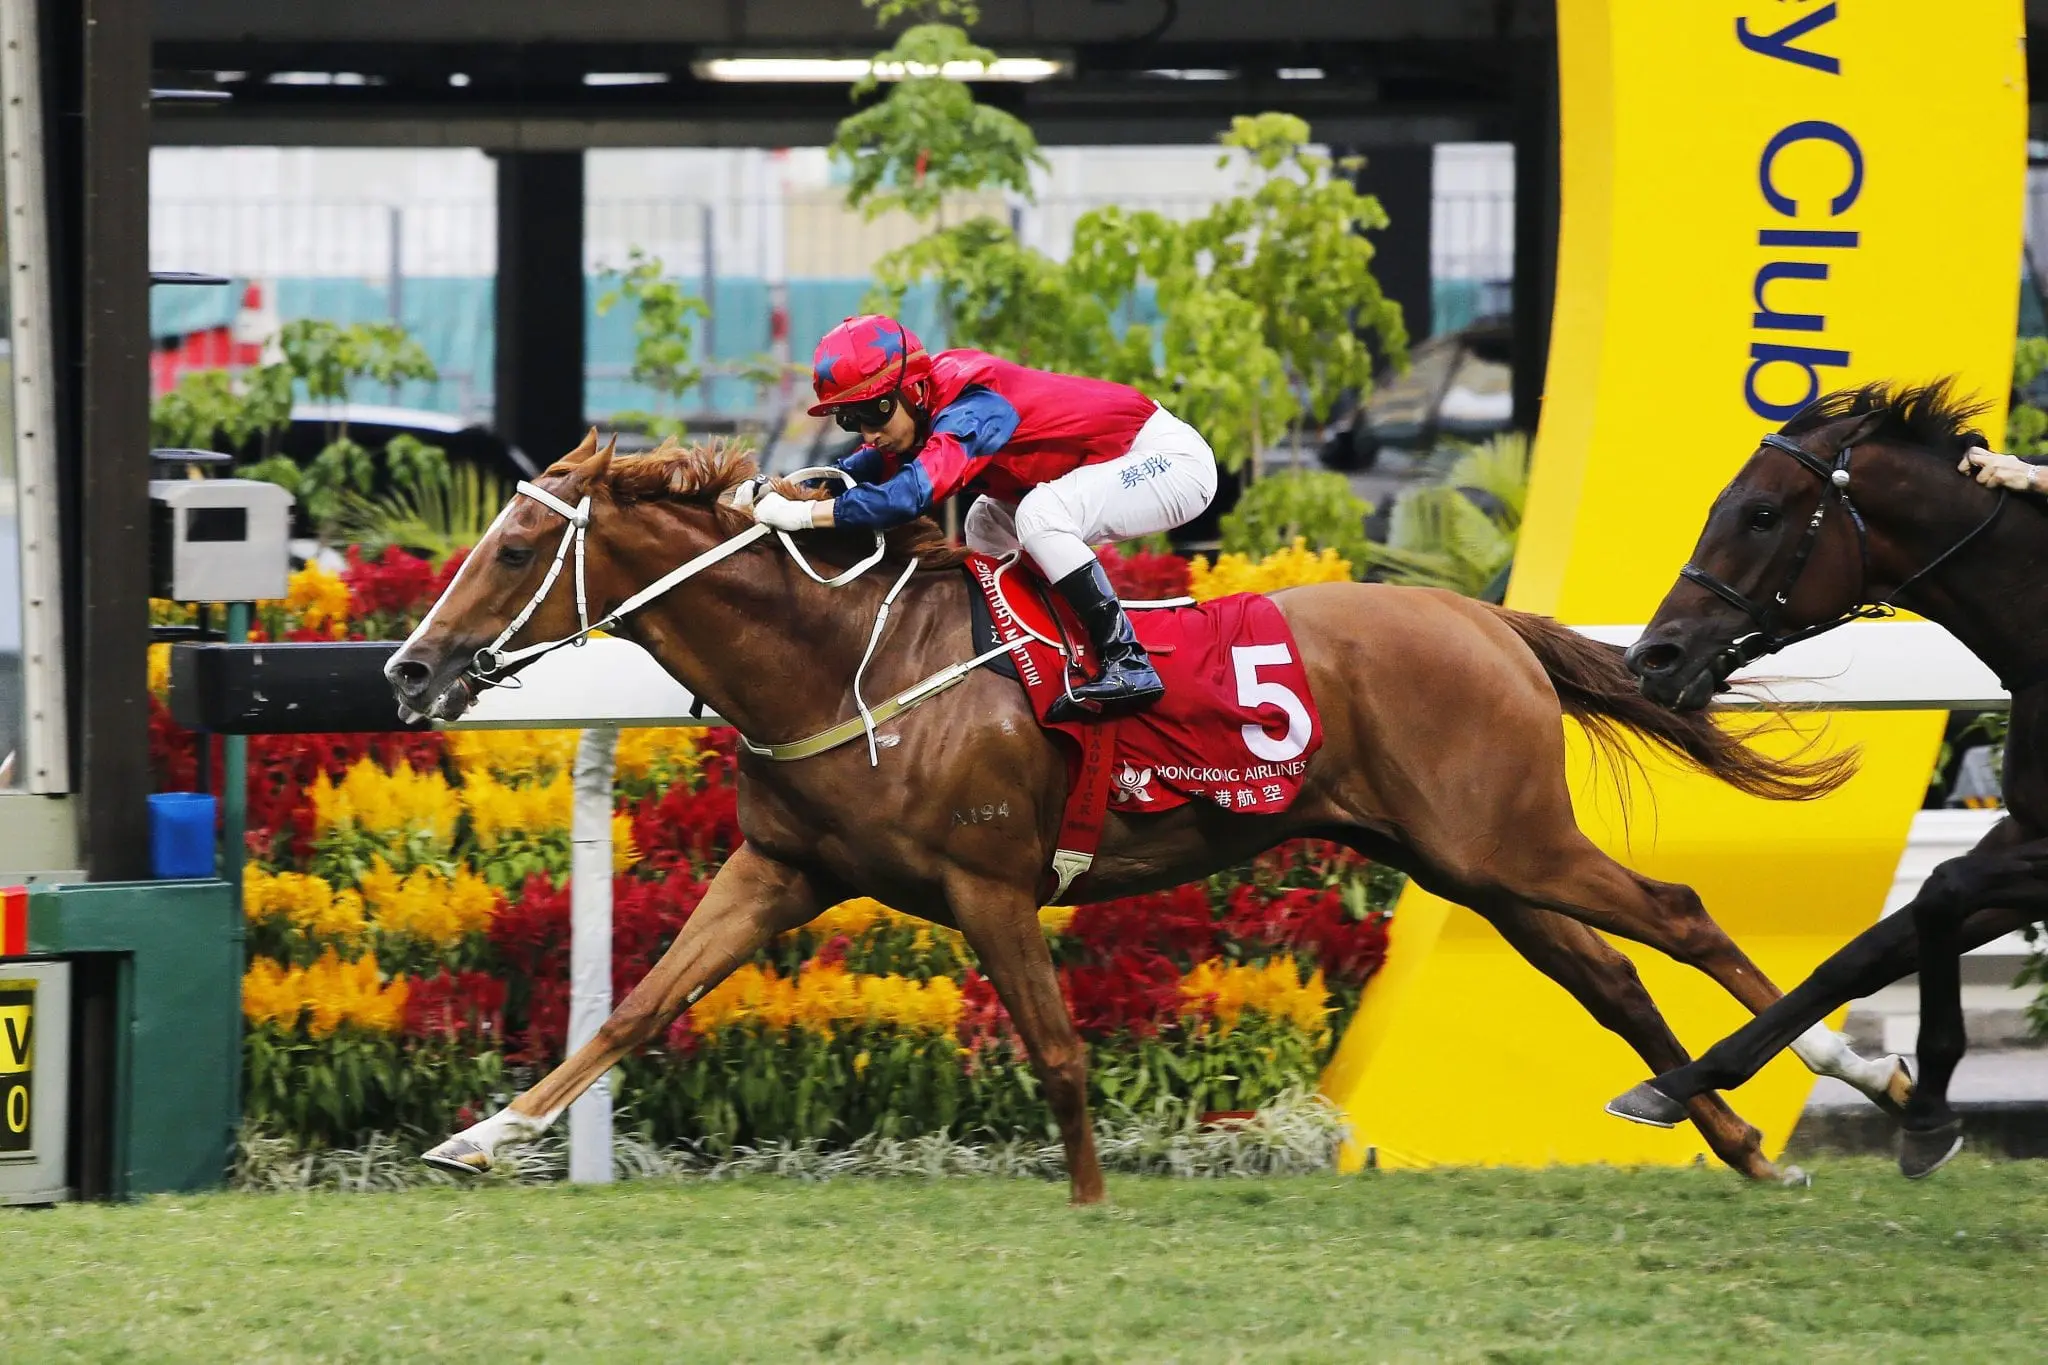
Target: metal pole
590,948
394,287
234,776
710,286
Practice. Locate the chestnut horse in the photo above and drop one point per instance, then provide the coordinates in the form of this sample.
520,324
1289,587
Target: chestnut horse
1443,755
1855,504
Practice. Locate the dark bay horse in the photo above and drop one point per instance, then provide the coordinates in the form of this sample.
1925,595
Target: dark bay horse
1857,503
1443,755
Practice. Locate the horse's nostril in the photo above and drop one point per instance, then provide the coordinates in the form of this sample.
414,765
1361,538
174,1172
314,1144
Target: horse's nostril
1645,660
408,675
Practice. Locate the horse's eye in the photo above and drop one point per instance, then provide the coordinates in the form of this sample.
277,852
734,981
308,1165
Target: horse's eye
515,556
1763,518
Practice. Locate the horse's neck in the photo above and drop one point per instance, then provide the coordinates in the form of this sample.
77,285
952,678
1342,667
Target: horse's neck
770,650
1993,596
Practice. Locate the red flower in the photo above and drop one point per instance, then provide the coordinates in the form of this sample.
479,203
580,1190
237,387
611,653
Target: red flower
1178,924
683,828
1144,576
465,1005
1310,921
1134,993
394,581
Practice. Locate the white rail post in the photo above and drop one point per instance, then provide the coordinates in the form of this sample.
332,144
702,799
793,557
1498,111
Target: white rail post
590,947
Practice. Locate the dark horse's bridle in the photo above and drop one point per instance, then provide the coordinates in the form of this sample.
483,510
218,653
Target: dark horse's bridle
1766,616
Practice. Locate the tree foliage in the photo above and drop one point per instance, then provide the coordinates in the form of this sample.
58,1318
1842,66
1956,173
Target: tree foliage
324,360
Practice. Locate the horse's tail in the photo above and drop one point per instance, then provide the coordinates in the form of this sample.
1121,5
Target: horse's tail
1598,691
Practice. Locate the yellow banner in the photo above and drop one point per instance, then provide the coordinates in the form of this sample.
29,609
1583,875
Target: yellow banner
1761,202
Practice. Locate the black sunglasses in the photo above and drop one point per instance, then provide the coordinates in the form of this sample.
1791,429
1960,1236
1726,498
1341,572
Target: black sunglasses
872,414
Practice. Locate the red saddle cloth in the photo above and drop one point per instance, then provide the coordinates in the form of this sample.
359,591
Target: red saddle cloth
1236,727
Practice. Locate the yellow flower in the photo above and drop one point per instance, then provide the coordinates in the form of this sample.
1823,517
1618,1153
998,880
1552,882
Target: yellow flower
1054,919
860,1062
428,906
660,755
624,851
1224,991
821,999
395,803
513,755
270,994
497,809
1287,568
330,992
159,670
306,902
319,599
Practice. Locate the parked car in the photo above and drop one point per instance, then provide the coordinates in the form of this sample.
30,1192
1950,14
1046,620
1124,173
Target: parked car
1458,385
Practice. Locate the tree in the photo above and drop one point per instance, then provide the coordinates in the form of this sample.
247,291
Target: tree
323,360
929,135
664,336
1262,300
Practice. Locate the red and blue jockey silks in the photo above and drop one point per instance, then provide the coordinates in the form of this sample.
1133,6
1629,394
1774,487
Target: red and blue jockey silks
999,429
866,357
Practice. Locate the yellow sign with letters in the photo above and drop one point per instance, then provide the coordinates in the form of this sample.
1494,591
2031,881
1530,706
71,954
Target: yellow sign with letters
17,1065
1762,201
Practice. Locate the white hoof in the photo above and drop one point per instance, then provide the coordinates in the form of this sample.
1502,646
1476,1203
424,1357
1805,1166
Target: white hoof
1792,1177
460,1156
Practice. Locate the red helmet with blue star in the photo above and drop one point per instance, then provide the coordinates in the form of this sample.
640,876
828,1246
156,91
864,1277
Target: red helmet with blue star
863,358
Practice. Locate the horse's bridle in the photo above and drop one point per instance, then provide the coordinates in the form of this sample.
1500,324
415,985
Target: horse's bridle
1767,638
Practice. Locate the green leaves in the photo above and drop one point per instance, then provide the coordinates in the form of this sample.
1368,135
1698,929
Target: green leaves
928,135
1440,537
664,334
1318,506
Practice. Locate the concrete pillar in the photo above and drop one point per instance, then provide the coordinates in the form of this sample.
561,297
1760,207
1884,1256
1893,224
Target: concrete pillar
540,303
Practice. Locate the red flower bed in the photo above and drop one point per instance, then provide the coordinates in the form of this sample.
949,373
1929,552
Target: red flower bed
1310,920
1177,924
462,1005
1146,575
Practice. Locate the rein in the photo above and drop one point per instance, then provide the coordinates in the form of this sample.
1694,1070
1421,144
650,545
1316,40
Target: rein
1767,638
489,667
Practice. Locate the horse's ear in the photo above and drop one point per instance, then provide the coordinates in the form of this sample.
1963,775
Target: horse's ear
1863,428
594,468
585,450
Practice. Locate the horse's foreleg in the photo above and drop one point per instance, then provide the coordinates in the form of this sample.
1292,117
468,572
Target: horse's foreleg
752,899
1001,925
1605,982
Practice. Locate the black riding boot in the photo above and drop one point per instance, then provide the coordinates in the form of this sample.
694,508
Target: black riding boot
1127,681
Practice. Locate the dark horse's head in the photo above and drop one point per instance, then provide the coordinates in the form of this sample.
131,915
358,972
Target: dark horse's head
1851,502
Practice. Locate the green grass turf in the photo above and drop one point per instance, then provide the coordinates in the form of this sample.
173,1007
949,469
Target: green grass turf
1587,1264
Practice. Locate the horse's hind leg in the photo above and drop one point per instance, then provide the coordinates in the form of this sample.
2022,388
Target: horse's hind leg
1581,881
1605,982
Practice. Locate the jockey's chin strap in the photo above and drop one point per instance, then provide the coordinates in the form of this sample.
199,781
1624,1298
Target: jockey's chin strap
490,666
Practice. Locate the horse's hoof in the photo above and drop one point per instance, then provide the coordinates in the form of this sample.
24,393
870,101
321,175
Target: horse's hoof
1648,1105
1923,1153
460,1156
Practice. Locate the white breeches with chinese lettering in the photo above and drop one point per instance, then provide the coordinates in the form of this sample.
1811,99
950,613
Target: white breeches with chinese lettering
1165,480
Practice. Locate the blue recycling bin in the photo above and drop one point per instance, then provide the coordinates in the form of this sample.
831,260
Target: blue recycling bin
181,826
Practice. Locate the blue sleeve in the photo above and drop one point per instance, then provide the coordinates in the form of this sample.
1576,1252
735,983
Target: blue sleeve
876,506
982,420
867,465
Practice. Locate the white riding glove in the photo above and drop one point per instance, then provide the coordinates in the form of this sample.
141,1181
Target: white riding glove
1999,471
785,514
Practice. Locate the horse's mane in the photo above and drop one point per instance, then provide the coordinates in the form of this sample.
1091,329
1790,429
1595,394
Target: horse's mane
699,473
1933,416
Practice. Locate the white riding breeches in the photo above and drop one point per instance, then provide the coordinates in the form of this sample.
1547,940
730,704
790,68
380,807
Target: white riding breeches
1164,480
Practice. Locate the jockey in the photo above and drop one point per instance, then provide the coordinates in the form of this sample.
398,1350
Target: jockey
1060,462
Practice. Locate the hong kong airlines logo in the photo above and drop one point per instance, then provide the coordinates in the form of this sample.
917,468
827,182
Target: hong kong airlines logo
1131,784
